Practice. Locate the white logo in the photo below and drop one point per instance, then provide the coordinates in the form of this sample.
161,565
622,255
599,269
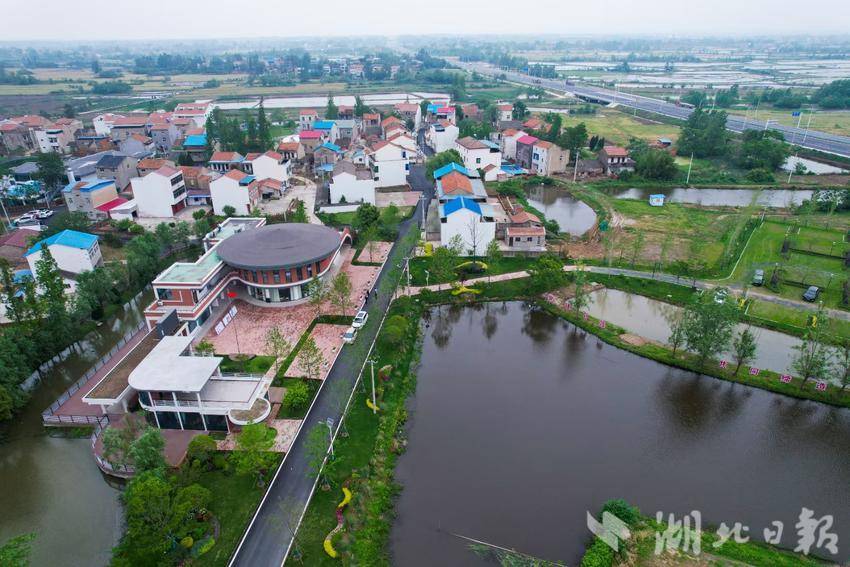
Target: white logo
611,530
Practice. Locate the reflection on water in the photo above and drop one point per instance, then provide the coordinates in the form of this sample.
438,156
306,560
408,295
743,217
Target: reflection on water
321,101
815,167
512,439
779,198
573,216
51,486
651,319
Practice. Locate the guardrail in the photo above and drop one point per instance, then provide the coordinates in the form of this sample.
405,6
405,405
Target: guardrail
48,416
123,471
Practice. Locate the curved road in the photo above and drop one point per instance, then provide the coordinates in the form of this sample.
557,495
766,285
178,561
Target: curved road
269,535
812,139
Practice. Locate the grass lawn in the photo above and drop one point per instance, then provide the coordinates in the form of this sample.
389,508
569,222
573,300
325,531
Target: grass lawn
504,265
235,498
255,365
619,127
312,386
764,252
281,131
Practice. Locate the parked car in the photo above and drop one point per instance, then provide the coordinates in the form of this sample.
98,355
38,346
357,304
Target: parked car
25,218
349,335
360,319
42,213
758,277
720,295
812,293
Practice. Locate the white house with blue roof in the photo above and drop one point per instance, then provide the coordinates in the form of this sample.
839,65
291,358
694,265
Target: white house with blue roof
75,252
470,222
328,128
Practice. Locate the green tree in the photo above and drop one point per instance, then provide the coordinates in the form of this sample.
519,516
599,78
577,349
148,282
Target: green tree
812,358
574,138
841,363
676,321
443,262
547,272
366,216
331,110
277,345
437,161
390,219
75,220
201,449
148,451
704,134
580,297
317,292
297,396
395,331
340,292
520,110
360,107
762,150
317,446
264,133
300,214
229,210
205,348
15,552
252,456
51,170
310,359
708,327
655,164
744,348
369,237
493,254
68,110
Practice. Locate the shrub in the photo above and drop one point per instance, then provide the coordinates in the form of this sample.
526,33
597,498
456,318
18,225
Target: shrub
202,448
598,555
219,461
624,511
760,175
297,396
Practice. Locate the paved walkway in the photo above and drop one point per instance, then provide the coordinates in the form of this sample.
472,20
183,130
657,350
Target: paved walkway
268,537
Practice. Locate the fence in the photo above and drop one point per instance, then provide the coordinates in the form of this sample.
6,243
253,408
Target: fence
48,416
103,464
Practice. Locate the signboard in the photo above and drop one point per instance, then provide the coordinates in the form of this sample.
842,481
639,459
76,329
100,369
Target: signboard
226,319
821,386
785,378
723,364
754,371
232,311
219,328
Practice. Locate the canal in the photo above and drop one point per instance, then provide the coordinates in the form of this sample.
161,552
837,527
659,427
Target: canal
51,485
521,424
777,198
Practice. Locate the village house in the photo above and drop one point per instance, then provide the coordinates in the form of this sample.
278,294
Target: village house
222,162
74,252
453,180
149,165
410,111
268,165
548,158
325,156
160,194
328,128
390,164
506,112
103,123
58,136
525,151
87,196
470,222
126,126
391,123
349,131
291,151
137,145
481,155
164,134
119,168
197,112
345,112
615,160
441,136
306,118
471,111
310,140
235,189
371,124
351,184
197,180
508,143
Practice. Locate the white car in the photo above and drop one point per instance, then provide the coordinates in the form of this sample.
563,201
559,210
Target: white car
360,319
26,218
349,335
721,295
43,213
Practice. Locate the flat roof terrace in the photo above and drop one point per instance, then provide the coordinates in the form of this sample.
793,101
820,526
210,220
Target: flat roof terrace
190,272
111,386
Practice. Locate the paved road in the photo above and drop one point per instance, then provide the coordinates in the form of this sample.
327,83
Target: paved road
267,541
812,139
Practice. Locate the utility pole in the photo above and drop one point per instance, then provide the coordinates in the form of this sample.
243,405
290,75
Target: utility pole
808,122
690,165
330,423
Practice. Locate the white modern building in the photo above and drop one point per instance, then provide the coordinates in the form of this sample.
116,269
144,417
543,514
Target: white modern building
470,222
351,184
235,189
197,111
390,164
159,194
482,155
270,165
75,252
441,136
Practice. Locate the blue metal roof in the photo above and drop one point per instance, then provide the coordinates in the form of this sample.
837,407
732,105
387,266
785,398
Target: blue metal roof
196,140
331,147
323,125
247,180
433,108
20,275
69,238
458,203
446,169
90,186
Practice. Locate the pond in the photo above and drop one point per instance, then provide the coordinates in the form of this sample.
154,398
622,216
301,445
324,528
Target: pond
815,167
51,485
521,424
574,217
650,318
779,198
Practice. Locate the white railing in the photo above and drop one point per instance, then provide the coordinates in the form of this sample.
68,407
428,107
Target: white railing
103,464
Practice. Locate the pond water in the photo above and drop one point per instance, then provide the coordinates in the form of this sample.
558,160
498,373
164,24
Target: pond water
815,167
780,198
649,318
521,424
377,99
51,485
574,217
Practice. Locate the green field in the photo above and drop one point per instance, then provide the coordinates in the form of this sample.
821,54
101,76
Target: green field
832,121
619,127
764,251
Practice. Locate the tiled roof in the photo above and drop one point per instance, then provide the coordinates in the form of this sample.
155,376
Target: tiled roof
18,238
273,155
308,112
448,168
106,207
455,182
505,107
310,135
153,163
471,143
616,151
527,140
167,171
543,144
288,146
523,217
134,120
142,138
390,120
236,174
229,157
525,231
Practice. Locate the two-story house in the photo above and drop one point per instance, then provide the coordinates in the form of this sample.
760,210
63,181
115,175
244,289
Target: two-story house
482,155
235,189
390,164
161,193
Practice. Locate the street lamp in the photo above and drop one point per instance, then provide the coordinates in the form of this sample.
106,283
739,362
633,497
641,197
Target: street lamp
374,401
427,276
330,423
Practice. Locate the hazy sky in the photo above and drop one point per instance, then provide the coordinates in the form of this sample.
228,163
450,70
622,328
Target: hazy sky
153,19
